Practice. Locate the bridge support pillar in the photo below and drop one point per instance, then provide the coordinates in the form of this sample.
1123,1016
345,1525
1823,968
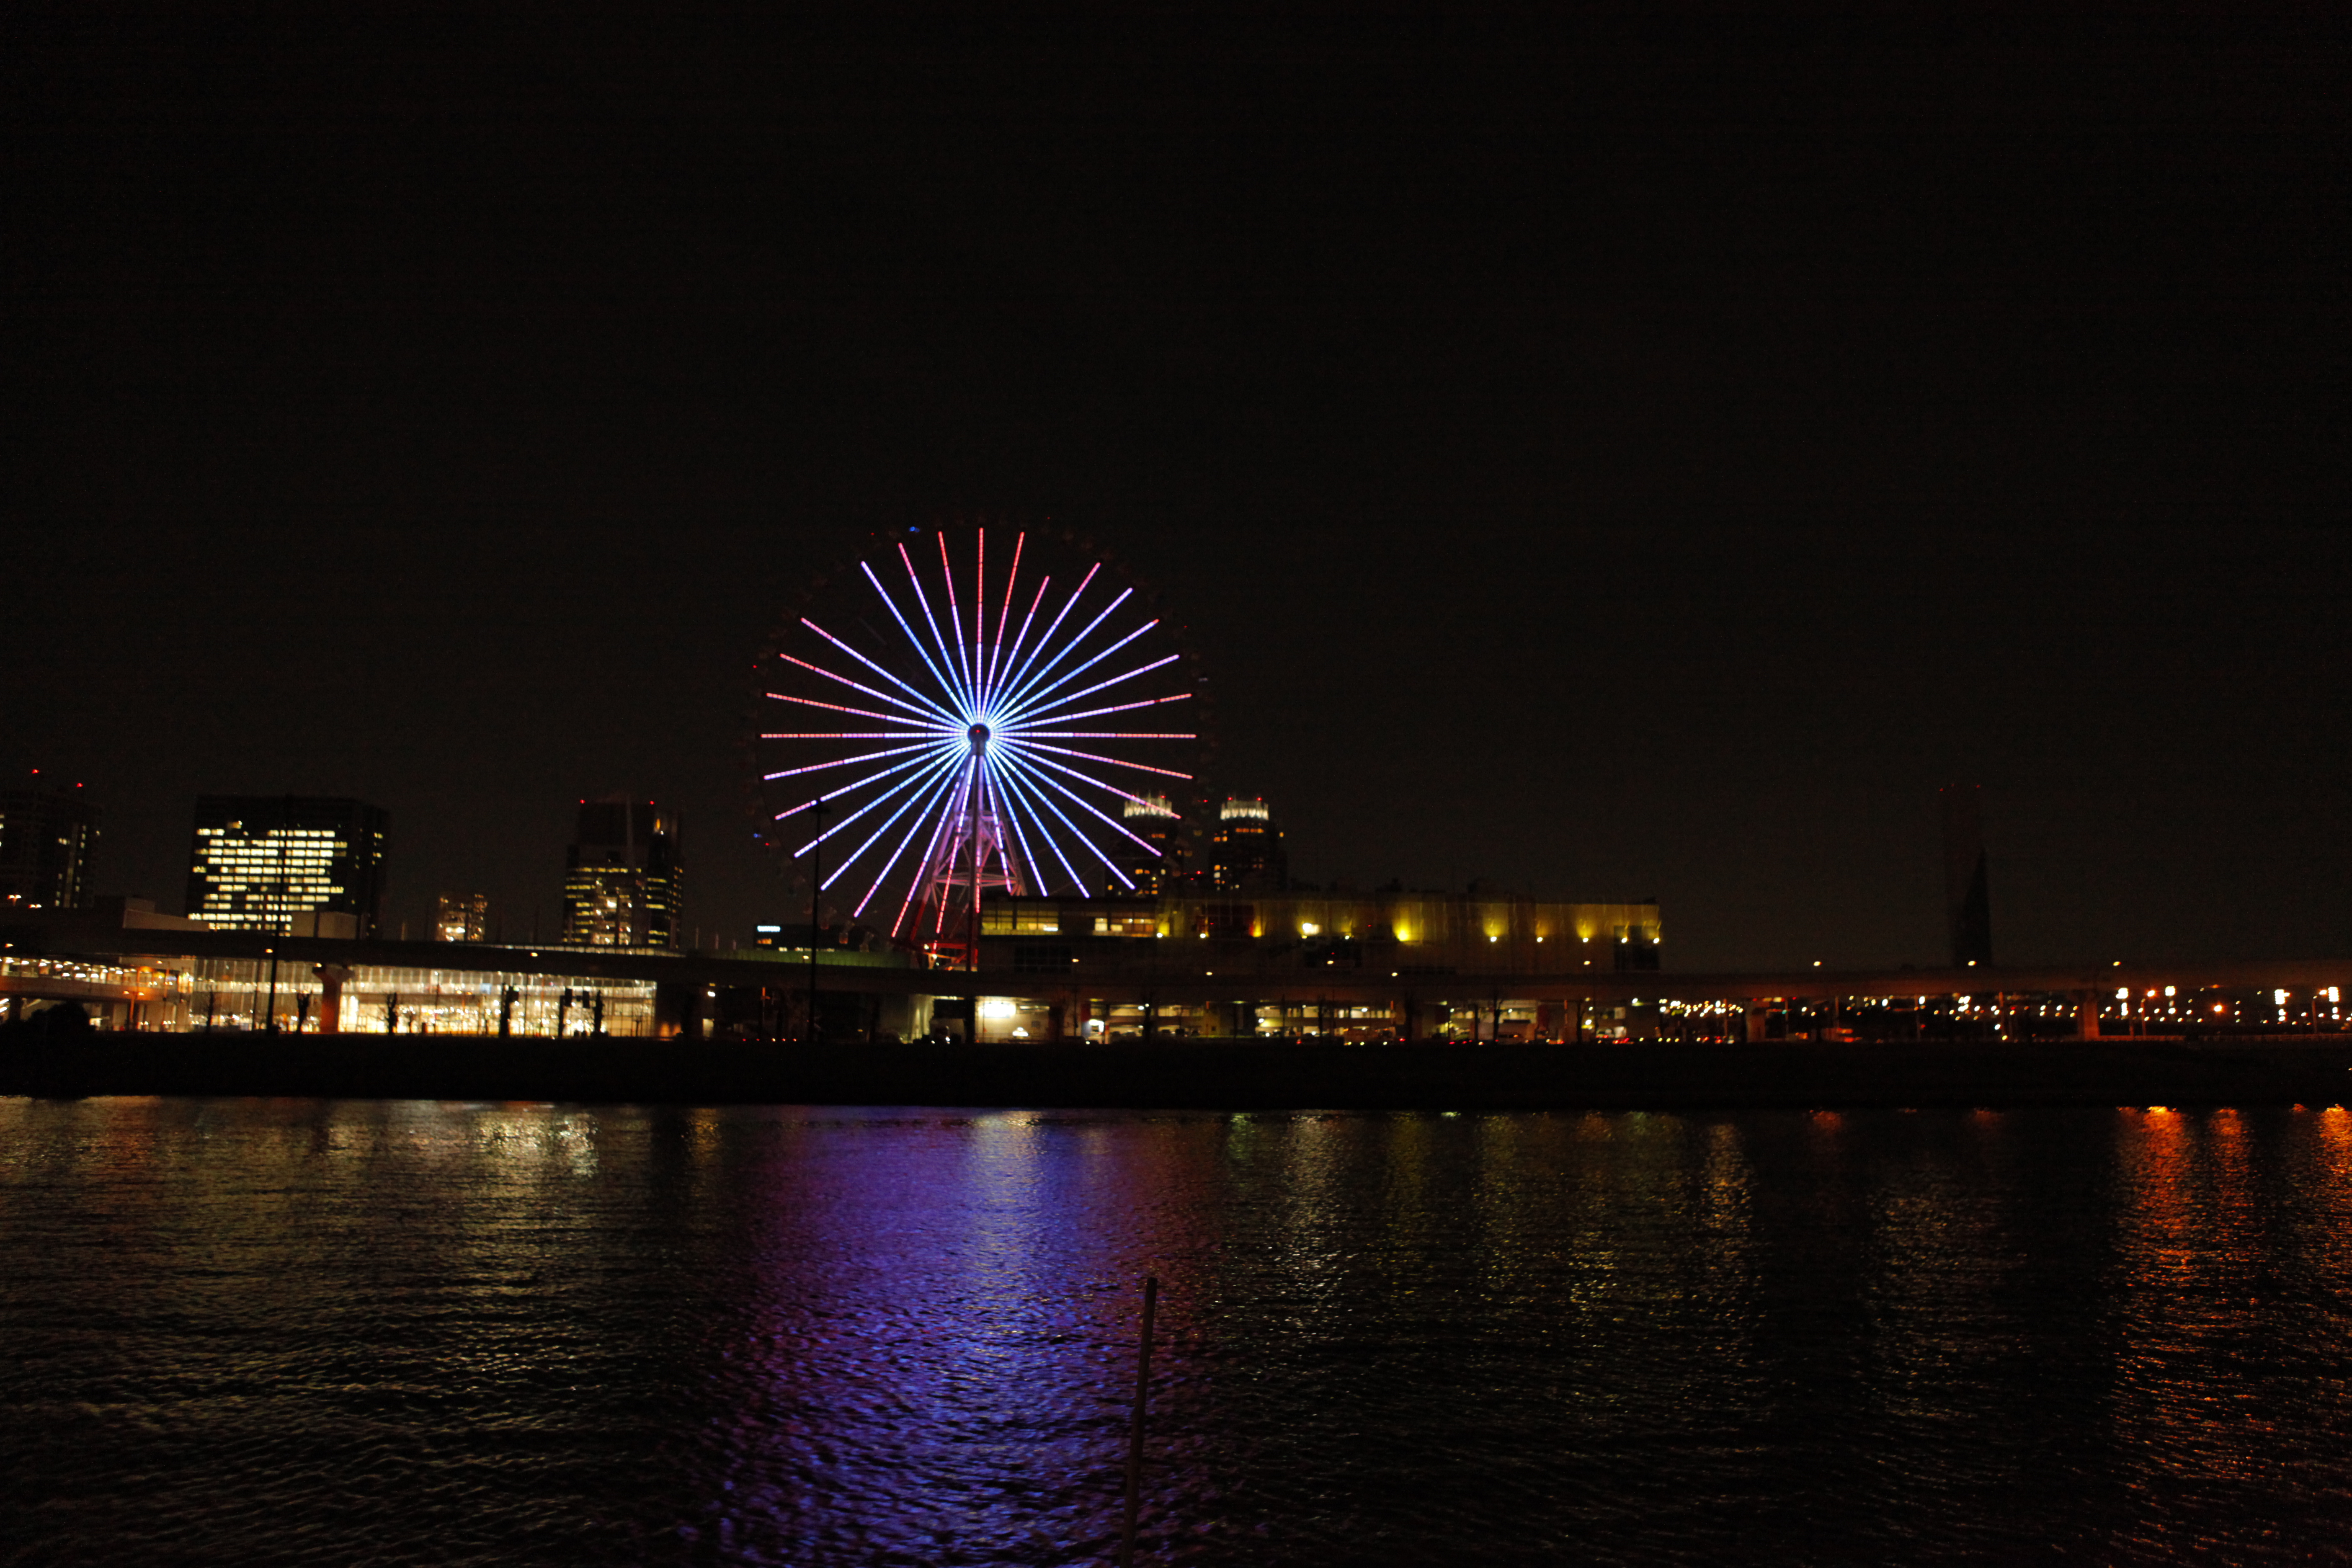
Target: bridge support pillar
1757,1017
2087,1015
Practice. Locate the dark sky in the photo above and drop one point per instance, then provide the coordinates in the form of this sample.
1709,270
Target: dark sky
1610,458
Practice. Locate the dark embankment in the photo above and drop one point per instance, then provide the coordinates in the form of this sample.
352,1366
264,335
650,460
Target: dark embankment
1190,1076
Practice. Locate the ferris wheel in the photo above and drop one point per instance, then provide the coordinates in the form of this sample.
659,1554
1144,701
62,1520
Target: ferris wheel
971,711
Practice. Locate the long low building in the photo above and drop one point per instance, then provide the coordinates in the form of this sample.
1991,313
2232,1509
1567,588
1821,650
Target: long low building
1167,973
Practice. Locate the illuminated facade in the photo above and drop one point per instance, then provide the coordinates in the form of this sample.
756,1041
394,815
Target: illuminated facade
47,838
1246,850
623,884
1385,932
462,917
1154,819
287,863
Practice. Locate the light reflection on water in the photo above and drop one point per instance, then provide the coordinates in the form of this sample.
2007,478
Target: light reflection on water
267,1331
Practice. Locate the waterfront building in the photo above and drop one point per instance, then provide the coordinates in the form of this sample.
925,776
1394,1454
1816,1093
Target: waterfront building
48,837
1389,932
623,883
1245,852
1154,819
307,865
462,917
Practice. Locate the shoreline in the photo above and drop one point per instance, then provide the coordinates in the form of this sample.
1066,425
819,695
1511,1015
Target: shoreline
1195,1076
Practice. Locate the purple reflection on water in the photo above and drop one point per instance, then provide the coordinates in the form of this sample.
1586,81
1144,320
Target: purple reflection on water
286,1332
933,1359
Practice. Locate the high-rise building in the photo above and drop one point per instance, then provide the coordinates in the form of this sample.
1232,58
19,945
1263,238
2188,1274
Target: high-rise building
623,884
303,864
1245,849
462,917
1154,819
47,838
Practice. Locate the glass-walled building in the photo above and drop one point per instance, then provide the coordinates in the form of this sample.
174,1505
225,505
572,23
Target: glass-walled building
623,884
305,864
462,917
47,838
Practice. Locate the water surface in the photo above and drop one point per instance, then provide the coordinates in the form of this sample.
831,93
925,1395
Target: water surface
296,1332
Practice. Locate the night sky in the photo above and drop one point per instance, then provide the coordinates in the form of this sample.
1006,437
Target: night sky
1608,459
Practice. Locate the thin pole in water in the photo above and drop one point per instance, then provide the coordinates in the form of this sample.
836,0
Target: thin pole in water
1135,1427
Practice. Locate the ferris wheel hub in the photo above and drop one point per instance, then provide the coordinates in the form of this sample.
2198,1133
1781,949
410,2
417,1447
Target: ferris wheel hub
977,736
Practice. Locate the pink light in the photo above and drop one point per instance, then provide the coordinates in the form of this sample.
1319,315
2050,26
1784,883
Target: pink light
1092,757
877,696
845,761
1012,659
945,674
846,789
1114,708
912,640
1114,680
835,708
1014,793
1076,643
1019,675
955,616
876,669
1085,805
996,653
938,825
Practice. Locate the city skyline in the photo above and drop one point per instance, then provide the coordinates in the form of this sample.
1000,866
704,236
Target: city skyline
1624,463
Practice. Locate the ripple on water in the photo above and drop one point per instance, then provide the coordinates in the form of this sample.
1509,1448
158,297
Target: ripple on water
292,1333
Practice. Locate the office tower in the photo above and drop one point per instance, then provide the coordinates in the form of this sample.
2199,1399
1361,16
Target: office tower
1246,850
462,917
47,838
622,883
1153,820
1968,892
307,865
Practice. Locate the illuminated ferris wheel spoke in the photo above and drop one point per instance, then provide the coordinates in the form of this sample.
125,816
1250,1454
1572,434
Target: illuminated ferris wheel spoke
1035,693
944,715
1013,659
912,640
947,659
1078,800
1020,672
1030,743
1036,868
833,708
1079,833
996,649
955,617
877,696
1021,801
843,762
1114,708
914,792
930,803
979,614
978,772
990,806
1027,690
843,790
914,782
1100,686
